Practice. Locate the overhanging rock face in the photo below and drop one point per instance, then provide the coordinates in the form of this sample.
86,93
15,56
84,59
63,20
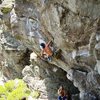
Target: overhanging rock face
72,25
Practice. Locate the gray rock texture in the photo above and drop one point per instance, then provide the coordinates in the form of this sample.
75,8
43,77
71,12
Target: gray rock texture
72,25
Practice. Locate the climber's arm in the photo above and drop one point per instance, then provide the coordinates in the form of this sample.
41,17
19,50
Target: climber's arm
48,44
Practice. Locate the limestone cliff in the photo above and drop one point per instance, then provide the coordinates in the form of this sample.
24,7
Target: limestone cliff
74,28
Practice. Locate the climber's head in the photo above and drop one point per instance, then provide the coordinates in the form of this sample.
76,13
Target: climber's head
61,87
42,45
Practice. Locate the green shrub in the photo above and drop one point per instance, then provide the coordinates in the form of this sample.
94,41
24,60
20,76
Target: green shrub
2,90
3,93
2,99
14,90
20,83
17,94
10,85
35,94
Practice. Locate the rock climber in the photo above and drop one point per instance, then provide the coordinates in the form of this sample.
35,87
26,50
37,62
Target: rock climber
46,51
62,94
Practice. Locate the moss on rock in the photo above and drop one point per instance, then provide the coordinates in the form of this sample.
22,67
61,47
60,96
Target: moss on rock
5,10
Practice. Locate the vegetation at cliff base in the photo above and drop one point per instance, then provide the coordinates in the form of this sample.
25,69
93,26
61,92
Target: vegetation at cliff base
16,90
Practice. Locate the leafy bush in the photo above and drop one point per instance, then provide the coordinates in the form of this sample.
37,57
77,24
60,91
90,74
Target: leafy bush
9,85
2,90
5,10
35,94
17,94
2,99
15,90
3,93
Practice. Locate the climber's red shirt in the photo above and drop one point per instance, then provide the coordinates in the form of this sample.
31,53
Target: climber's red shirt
47,50
61,92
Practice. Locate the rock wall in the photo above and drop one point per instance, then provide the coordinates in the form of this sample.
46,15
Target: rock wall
72,25
47,79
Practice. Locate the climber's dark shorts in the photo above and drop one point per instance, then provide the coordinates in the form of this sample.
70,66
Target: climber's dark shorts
62,98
